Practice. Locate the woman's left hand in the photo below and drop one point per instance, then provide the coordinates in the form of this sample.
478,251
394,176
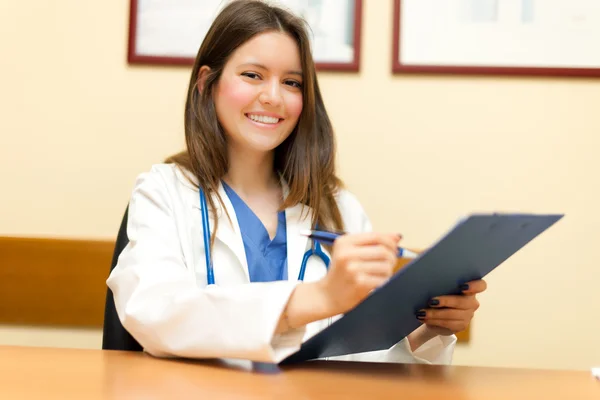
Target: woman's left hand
450,314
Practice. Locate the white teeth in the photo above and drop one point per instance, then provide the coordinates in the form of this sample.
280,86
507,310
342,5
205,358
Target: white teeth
263,118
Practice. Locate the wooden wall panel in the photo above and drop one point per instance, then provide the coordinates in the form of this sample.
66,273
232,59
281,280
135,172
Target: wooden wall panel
53,282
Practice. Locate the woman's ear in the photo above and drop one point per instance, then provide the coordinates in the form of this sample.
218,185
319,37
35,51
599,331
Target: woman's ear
202,75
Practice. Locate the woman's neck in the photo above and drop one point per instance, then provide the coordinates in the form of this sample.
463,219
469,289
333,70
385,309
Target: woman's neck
251,173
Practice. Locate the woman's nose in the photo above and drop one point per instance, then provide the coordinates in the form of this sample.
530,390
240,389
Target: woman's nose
271,94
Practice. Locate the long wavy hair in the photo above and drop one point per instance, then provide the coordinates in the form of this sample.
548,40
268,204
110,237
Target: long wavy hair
306,159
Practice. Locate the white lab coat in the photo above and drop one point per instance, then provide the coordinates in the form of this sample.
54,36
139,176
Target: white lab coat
160,291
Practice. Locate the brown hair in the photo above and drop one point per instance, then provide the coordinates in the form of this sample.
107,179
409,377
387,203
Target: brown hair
306,159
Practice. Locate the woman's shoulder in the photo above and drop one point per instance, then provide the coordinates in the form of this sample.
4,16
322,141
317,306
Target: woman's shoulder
168,174
165,184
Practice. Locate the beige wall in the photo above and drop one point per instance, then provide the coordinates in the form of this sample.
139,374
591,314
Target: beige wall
78,124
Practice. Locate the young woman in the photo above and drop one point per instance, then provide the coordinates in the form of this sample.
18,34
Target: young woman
260,164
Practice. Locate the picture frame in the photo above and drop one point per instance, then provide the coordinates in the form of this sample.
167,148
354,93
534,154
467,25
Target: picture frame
169,32
497,37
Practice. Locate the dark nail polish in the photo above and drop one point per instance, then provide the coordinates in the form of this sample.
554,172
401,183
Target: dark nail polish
421,314
434,302
464,286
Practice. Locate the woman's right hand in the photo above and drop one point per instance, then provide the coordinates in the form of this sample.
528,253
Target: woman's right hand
360,263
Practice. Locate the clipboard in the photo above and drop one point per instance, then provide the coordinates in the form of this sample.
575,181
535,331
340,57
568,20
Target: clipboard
472,249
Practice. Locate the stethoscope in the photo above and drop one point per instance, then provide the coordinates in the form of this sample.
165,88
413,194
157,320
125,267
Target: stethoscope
314,250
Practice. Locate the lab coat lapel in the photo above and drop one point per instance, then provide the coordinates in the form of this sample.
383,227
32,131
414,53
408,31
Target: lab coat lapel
298,218
228,230
228,233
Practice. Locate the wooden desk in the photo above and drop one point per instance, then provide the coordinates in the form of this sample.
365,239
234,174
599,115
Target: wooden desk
40,373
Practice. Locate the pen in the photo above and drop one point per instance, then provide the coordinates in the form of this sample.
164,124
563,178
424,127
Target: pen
326,237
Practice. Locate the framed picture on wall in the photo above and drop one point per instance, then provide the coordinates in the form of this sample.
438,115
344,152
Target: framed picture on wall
169,32
497,37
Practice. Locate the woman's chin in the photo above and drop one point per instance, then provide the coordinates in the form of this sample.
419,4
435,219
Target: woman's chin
264,143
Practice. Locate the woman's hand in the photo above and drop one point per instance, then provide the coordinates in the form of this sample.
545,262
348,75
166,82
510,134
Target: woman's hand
448,315
360,263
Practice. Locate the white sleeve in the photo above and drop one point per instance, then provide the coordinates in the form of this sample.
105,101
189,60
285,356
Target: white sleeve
438,350
160,304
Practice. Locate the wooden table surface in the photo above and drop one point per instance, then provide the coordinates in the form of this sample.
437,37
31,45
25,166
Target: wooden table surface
50,373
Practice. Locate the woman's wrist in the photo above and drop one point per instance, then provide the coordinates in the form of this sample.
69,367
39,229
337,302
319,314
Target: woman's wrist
420,336
309,302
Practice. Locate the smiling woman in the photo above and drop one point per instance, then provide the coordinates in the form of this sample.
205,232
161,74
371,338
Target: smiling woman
258,169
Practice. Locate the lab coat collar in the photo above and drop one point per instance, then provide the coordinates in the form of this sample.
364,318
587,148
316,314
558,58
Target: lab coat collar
228,230
298,218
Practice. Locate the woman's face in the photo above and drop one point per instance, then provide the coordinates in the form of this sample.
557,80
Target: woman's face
258,97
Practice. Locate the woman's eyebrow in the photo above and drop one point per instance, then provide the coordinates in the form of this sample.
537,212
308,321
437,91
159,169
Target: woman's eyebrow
261,66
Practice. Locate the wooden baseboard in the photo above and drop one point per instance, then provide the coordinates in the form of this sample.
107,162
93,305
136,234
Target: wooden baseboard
59,282
53,282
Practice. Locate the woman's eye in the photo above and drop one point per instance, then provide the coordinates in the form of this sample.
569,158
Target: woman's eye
251,75
294,84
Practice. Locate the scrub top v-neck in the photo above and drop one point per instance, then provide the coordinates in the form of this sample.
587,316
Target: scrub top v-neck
267,259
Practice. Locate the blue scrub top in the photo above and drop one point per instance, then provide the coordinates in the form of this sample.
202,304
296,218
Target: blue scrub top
267,259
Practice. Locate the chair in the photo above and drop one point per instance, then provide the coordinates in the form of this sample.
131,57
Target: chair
114,336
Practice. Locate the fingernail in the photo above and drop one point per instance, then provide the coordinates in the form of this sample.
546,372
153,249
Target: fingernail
464,286
434,302
421,314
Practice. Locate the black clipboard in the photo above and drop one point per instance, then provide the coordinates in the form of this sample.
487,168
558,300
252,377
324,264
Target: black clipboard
471,250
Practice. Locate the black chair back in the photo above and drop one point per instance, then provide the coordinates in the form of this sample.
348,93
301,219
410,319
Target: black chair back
114,336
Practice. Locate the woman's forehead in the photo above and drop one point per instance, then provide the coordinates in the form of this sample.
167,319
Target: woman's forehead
272,51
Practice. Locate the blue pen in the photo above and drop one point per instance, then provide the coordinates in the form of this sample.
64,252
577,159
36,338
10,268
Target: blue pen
326,237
